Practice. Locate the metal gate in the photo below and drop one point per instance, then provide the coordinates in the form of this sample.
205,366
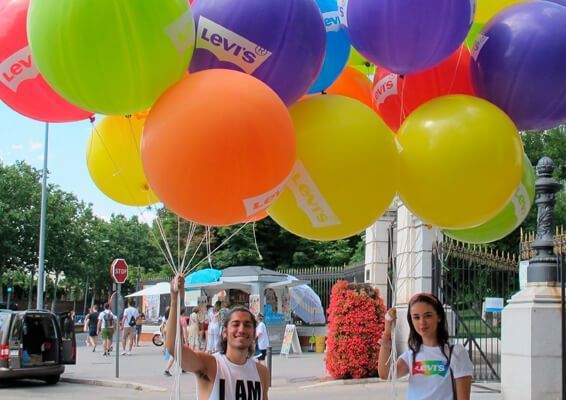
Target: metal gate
463,276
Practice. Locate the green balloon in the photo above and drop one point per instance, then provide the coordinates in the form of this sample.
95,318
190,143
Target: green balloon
507,220
358,61
472,35
112,57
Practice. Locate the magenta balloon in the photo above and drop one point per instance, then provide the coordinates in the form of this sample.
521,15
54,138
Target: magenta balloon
519,62
408,36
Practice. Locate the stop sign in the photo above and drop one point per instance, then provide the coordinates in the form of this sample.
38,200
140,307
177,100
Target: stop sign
119,270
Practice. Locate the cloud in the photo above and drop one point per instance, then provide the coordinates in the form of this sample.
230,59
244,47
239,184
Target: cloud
40,158
17,146
33,146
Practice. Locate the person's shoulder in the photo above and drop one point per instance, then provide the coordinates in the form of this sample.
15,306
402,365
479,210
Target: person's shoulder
458,348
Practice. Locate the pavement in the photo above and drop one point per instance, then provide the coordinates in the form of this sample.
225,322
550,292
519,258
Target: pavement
143,371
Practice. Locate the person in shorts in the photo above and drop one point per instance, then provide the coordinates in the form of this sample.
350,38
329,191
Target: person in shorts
106,325
262,339
129,327
139,325
91,325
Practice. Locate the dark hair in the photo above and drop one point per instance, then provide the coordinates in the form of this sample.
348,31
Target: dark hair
224,341
106,306
415,340
132,302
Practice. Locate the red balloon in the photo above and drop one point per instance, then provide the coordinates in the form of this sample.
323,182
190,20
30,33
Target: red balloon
21,85
396,96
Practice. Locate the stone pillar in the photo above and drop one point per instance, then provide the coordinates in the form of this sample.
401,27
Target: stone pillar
531,322
377,251
413,265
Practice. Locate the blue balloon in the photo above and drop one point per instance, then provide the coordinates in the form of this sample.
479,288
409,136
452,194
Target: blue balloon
337,46
518,64
408,36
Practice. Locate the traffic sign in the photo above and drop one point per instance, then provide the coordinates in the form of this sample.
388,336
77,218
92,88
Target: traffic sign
119,270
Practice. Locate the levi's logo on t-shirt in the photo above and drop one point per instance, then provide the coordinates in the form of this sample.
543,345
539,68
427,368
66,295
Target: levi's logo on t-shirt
430,368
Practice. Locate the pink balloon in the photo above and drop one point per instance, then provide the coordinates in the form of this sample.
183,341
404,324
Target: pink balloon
21,85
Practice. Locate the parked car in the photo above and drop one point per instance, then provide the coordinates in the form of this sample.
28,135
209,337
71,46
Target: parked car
36,344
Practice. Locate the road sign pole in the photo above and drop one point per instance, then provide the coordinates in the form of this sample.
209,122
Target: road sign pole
118,287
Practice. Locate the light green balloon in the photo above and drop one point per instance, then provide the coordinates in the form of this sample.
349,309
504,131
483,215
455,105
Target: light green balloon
507,220
112,57
358,61
472,35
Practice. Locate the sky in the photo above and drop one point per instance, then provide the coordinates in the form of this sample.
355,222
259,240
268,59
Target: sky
22,138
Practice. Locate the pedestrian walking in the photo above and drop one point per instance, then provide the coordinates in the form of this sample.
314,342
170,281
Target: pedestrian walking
91,326
106,325
262,339
129,327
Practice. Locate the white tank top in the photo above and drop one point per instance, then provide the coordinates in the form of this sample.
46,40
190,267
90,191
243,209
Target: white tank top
236,382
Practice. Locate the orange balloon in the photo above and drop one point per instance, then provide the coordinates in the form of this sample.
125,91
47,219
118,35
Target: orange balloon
257,217
218,146
354,84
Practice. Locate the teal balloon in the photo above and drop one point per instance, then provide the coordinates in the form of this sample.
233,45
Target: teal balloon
507,220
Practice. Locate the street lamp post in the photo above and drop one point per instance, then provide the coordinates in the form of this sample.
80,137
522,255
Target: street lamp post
41,263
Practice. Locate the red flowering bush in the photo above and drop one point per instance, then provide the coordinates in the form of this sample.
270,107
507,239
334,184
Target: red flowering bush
355,325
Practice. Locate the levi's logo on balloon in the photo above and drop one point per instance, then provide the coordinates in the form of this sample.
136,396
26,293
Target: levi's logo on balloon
229,46
343,12
331,21
17,68
309,199
259,203
386,86
181,32
478,44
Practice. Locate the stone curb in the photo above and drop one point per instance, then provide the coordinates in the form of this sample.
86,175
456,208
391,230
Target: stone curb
113,384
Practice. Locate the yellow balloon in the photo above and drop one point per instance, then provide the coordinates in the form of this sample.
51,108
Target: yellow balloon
346,173
461,161
486,9
114,163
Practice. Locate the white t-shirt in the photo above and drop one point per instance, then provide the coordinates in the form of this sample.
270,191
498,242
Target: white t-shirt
429,378
102,318
130,313
263,338
235,381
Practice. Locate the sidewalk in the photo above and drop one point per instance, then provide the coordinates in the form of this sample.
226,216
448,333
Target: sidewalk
143,370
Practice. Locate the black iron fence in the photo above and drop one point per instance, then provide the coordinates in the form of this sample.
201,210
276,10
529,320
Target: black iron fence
323,278
467,278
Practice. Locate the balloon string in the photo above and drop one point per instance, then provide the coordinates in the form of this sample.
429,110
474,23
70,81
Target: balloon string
255,243
208,246
402,115
456,70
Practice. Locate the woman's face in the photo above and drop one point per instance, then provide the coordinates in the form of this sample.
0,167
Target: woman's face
425,319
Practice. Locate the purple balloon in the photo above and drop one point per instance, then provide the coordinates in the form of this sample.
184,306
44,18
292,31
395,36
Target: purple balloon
519,61
408,36
281,42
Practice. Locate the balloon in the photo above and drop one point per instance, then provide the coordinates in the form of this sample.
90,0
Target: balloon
346,173
337,46
519,61
354,84
509,218
407,36
473,34
360,63
218,146
114,163
279,42
461,161
395,96
112,57
487,9
21,86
